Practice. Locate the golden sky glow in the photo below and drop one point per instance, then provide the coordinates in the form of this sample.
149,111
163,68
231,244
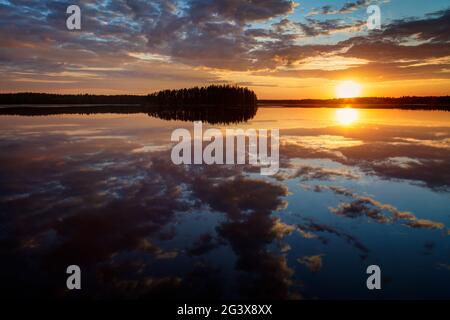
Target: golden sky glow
348,89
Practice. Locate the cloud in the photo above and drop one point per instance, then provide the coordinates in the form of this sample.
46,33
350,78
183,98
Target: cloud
413,153
373,209
313,263
260,196
352,6
204,244
393,53
359,208
311,228
123,218
346,8
432,28
192,40
240,11
270,271
306,173
424,224
281,230
314,28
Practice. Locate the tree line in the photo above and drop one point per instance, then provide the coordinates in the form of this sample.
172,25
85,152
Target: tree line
218,95
214,95
49,98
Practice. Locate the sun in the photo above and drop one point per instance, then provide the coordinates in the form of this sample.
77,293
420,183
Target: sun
348,89
346,116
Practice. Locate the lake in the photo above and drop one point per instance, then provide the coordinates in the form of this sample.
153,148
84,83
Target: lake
355,188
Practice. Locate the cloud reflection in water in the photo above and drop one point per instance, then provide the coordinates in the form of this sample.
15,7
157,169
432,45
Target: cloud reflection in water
100,192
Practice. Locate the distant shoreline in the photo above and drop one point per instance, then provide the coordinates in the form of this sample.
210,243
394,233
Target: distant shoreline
408,103
220,99
358,106
55,109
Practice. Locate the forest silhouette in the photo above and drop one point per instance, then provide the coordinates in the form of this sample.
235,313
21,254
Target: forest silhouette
217,97
213,95
213,104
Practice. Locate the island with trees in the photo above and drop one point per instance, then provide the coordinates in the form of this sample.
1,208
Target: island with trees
215,104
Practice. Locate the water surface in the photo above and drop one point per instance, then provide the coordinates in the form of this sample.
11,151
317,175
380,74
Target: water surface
101,192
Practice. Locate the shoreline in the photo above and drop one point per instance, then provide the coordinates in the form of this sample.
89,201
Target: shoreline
386,106
43,109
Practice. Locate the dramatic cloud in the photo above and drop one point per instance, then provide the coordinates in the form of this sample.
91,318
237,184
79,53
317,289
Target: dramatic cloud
148,45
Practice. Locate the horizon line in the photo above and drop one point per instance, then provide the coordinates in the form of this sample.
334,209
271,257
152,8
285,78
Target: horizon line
259,99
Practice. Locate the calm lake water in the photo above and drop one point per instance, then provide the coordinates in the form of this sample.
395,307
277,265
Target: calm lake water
100,191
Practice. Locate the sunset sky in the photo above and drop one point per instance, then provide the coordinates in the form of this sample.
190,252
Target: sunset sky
280,48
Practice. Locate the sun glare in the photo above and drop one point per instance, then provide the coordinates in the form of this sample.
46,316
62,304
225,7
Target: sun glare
348,89
346,116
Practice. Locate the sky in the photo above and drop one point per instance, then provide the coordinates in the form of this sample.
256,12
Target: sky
281,49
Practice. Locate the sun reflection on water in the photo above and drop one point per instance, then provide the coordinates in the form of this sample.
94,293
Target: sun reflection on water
347,116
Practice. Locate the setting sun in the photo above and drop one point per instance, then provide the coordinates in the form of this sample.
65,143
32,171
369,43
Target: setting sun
348,89
346,116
